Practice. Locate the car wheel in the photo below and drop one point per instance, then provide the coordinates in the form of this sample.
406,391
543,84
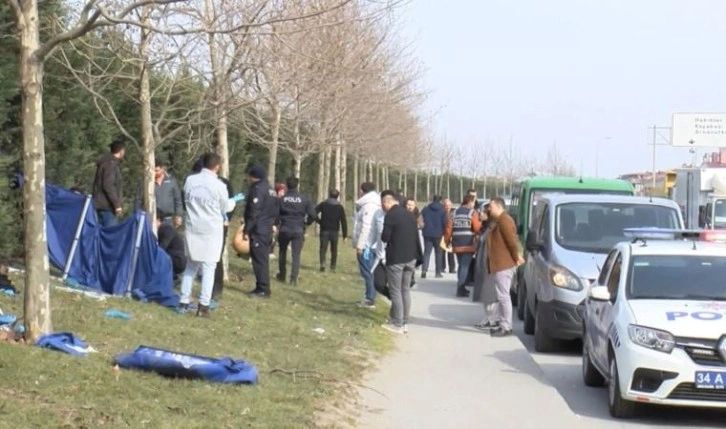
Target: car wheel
521,299
590,375
543,343
619,407
528,319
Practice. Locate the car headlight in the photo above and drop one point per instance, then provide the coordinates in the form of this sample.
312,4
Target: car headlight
564,278
654,339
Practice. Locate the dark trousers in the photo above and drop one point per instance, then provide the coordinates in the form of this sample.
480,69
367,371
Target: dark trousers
260,255
106,218
429,245
464,263
285,239
219,271
451,260
332,238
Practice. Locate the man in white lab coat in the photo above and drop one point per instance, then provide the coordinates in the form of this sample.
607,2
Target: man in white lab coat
207,200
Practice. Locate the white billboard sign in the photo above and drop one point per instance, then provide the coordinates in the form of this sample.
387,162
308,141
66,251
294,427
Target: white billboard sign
699,130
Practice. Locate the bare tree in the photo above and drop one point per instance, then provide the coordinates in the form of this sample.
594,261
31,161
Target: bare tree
33,54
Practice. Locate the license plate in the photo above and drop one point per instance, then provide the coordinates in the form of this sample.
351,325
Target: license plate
711,380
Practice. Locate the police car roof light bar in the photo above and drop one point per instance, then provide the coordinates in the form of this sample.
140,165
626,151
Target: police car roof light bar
713,236
651,233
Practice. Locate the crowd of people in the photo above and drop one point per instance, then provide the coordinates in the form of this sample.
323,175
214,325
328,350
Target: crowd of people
192,222
388,231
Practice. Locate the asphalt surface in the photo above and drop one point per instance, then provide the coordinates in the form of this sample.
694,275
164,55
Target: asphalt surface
446,374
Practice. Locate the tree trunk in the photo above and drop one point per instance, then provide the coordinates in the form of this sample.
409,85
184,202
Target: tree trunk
343,173
220,101
274,142
378,175
37,288
448,184
461,188
321,174
298,164
328,170
404,175
428,186
415,185
369,174
356,176
147,134
338,164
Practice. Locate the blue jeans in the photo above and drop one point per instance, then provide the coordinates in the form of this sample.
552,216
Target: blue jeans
367,273
106,217
464,261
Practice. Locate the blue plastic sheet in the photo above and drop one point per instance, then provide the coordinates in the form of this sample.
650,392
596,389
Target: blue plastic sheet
64,342
173,364
103,259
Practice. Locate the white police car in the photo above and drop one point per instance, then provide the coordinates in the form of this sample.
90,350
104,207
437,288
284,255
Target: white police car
655,321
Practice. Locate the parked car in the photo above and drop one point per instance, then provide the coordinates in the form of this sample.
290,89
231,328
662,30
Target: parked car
654,323
529,191
571,237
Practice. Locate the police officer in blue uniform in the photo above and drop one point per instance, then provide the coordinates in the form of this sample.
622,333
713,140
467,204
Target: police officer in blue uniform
261,212
297,212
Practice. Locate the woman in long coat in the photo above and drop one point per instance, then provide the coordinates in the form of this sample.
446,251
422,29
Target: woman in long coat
484,290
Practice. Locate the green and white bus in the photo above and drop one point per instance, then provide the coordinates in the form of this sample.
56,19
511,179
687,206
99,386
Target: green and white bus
527,192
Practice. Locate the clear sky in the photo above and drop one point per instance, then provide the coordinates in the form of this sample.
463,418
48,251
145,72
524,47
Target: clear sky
571,71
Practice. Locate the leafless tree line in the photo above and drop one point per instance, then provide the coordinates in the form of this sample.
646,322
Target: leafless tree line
325,77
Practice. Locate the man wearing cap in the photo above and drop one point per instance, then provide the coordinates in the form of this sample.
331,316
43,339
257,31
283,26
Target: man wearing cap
261,211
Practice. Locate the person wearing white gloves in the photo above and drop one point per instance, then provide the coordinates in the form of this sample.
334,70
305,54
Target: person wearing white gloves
206,198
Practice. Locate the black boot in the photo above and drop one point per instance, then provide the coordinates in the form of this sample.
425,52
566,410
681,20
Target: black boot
461,292
280,277
203,311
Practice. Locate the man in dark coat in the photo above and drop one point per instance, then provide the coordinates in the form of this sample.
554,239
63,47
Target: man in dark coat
403,251
296,213
332,220
261,211
434,222
108,185
173,245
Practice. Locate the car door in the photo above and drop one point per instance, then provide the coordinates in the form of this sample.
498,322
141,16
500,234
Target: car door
539,270
605,311
593,308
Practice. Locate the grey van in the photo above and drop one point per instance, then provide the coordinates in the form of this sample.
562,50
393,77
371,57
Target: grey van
569,240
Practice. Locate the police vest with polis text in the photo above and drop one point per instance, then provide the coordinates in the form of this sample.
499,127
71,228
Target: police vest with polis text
463,237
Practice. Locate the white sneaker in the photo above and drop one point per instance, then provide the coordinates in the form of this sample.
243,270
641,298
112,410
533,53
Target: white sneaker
405,328
393,328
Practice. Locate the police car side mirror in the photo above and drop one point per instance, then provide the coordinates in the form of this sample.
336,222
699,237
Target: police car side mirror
599,293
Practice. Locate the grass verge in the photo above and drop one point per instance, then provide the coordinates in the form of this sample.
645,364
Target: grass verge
47,389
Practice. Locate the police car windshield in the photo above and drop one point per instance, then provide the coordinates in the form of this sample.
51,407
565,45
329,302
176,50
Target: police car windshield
597,227
690,277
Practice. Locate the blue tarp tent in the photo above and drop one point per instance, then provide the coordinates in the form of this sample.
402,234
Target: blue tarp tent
120,260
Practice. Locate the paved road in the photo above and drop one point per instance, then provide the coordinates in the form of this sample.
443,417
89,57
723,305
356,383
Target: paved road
447,374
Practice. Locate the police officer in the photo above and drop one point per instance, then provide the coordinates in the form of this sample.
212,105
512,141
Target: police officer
260,214
296,213
461,233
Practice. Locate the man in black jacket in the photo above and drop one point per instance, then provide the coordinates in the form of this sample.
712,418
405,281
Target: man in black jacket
261,210
403,253
173,245
332,219
296,213
108,185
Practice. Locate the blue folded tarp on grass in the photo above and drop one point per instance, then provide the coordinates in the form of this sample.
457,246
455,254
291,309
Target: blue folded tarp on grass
173,364
64,342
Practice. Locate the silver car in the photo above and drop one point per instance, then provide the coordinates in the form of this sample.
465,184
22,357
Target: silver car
566,248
